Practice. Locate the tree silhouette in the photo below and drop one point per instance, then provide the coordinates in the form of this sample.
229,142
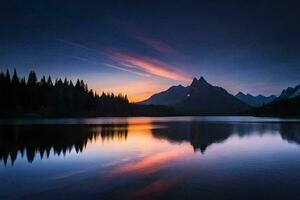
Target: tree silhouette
2,79
63,99
32,79
15,78
49,81
7,77
43,81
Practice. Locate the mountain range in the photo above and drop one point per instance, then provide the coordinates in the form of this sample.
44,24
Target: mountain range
255,101
202,98
199,98
287,105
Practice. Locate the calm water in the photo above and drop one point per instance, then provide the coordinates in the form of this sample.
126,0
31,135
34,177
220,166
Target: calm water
150,158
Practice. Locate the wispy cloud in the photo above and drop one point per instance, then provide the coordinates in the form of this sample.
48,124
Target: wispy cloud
75,44
127,70
148,65
105,64
136,64
158,45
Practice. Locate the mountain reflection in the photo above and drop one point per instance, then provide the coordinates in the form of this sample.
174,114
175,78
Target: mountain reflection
290,132
203,134
30,140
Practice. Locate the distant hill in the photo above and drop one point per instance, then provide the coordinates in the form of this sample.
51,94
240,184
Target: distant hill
168,97
287,104
283,107
200,98
289,93
255,101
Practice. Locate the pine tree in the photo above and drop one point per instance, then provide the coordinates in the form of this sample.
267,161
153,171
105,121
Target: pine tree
82,85
43,81
71,85
66,82
58,83
23,81
7,77
32,79
49,81
15,79
77,86
2,79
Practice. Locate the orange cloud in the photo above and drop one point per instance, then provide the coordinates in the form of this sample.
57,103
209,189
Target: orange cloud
149,65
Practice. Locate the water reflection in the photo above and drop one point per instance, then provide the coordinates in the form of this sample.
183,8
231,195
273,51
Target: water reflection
28,141
159,158
32,140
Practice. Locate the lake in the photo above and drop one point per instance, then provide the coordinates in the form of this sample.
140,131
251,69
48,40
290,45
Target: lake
150,158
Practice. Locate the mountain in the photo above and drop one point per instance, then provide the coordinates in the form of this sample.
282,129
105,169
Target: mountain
289,107
206,99
168,97
289,93
255,101
200,98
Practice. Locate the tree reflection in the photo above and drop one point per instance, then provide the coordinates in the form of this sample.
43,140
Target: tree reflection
61,139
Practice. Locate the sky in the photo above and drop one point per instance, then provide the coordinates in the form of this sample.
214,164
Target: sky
142,47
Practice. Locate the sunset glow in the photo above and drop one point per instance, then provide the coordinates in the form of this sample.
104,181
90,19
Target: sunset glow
149,100
139,53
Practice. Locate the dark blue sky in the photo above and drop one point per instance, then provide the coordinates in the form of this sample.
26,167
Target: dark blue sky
142,47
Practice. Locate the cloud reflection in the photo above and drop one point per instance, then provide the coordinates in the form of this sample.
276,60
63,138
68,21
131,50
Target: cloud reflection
151,163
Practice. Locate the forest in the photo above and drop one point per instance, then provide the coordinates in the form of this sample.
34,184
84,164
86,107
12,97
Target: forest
31,97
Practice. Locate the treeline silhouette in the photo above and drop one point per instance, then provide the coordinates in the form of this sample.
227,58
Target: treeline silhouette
279,108
41,141
33,97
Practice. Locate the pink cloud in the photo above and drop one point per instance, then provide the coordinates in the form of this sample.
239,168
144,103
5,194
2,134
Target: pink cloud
157,45
148,65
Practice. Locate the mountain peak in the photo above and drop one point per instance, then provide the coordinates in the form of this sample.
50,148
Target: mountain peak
201,79
240,94
194,80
